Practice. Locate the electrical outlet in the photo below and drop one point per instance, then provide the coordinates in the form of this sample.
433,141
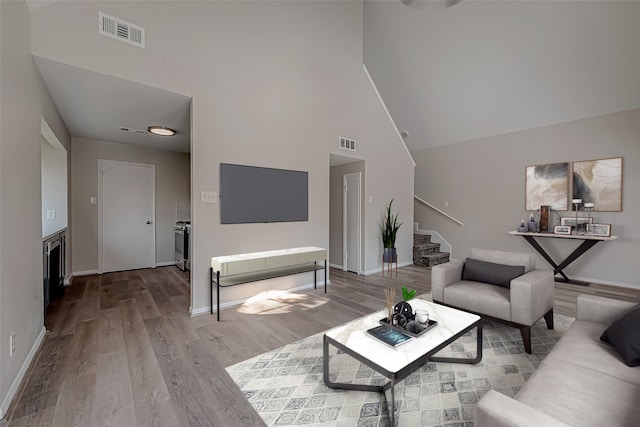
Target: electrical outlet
12,344
209,197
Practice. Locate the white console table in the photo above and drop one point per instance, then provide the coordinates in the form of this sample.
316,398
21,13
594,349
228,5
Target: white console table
230,270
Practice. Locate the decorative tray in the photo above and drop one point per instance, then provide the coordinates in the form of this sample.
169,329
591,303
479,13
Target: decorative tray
430,325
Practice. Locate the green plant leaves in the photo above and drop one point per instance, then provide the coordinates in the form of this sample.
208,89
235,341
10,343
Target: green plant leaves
389,228
407,293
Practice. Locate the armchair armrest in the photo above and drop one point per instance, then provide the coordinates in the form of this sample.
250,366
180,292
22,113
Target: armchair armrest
497,410
443,275
601,310
531,296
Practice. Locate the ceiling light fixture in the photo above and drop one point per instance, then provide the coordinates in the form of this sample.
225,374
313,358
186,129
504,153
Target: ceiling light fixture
161,130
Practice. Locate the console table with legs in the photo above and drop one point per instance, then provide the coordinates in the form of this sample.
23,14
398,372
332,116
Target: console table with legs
230,270
588,241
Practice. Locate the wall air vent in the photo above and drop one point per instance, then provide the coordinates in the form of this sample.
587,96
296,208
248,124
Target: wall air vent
347,144
133,130
120,30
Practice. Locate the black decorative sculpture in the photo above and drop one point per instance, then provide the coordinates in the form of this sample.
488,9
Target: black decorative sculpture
405,308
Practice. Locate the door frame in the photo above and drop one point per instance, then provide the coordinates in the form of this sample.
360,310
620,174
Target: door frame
345,228
101,164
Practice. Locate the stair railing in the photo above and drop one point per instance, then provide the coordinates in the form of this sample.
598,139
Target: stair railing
440,211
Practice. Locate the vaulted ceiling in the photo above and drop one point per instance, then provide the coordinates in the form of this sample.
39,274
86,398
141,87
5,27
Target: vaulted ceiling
447,71
457,72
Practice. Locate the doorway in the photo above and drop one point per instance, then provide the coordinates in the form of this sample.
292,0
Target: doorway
126,216
347,186
351,221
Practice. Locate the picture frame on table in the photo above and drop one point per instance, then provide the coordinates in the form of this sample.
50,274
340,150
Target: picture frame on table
571,221
601,230
562,229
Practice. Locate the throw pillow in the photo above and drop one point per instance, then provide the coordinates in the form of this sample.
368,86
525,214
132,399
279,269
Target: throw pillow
624,336
490,272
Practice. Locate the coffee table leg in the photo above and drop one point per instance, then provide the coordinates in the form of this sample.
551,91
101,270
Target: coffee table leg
393,404
344,386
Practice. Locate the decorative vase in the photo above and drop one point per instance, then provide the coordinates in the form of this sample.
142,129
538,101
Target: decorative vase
389,255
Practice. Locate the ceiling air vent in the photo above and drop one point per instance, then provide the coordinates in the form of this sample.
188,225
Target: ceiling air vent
120,30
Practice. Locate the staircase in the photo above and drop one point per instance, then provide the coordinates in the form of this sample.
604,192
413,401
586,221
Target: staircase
426,253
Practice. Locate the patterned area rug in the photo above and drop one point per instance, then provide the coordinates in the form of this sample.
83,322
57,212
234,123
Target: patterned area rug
285,386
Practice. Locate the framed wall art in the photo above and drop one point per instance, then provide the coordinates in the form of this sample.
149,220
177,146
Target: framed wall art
547,185
603,230
599,182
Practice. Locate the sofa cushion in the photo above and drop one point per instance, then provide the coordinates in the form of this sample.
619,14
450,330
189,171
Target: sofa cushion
490,272
581,345
581,397
624,335
479,297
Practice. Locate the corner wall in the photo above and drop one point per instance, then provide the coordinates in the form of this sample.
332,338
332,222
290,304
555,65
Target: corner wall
484,180
24,100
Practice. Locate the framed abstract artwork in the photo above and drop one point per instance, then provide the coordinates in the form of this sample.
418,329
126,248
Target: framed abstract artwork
547,185
599,182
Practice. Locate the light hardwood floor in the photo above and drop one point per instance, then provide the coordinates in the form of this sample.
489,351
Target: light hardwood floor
122,350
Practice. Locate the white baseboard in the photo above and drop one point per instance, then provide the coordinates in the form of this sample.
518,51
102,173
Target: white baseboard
607,283
15,386
207,309
165,263
83,273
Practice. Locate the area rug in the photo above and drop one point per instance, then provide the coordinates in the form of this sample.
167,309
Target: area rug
286,388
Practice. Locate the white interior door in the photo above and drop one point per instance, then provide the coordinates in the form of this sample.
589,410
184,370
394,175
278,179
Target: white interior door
126,216
351,222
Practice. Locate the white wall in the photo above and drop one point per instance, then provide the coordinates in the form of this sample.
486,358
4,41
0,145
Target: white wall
480,68
23,101
484,180
172,185
54,187
273,84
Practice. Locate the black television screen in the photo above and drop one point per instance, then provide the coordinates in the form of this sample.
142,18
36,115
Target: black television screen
250,194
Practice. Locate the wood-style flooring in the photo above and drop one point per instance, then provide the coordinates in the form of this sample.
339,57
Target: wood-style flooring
122,350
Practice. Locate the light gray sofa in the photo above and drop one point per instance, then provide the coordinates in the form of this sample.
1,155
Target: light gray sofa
583,382
527,300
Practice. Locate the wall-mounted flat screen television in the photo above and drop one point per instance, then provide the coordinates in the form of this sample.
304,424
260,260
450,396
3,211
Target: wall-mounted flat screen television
250,194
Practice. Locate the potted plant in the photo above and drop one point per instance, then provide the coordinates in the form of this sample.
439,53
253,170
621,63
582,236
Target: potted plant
389,229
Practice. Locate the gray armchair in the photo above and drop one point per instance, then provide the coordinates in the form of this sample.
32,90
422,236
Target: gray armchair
526,299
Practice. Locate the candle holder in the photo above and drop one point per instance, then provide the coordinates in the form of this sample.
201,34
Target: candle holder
576,203
589,206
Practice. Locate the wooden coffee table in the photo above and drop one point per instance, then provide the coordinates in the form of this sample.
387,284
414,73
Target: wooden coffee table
398,363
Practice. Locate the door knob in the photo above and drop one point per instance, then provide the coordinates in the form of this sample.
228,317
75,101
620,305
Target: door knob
148,222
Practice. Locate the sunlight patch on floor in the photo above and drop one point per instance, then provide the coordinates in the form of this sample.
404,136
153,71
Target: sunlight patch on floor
279,302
